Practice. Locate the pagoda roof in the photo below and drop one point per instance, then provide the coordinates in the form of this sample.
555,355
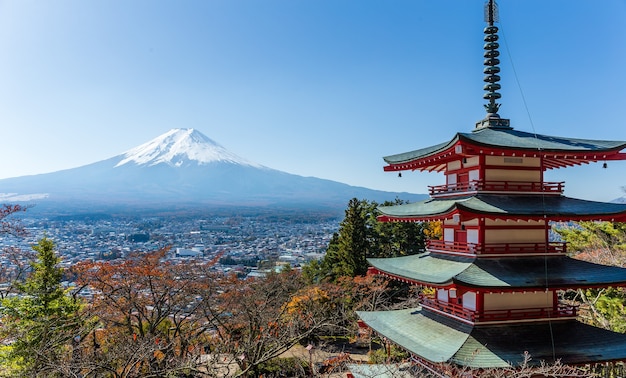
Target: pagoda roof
440,339
424,267
504,207
487,140
504,273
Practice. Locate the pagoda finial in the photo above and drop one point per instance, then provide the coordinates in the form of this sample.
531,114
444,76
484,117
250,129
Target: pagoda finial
491,69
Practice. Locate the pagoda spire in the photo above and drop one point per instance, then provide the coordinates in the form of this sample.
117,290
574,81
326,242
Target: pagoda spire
492,70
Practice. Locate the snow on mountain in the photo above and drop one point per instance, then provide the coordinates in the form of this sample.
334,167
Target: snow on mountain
181,169
181,147
15,197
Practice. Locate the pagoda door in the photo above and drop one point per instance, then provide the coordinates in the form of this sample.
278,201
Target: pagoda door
463,180
460,237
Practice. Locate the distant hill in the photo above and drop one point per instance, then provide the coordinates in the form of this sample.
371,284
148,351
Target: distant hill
180,170
620,200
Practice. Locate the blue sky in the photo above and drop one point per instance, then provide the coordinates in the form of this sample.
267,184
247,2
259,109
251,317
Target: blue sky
320,88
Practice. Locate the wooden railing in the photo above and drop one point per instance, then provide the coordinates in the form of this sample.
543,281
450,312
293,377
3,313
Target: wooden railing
448,308
562,311
497,186
457,310
451,247
551,248
522,248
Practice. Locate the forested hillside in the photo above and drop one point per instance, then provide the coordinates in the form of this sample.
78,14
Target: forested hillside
145,316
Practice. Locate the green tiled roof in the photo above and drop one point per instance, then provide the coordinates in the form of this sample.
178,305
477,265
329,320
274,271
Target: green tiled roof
436,340
512,272
441,339
574,343
509,138
498,204
523,140
412,155
423,267
562,271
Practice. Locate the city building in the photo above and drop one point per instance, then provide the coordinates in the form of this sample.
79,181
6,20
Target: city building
495,276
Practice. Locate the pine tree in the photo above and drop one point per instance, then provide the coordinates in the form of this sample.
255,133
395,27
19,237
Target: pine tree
348,249
41,322
393,239
361,236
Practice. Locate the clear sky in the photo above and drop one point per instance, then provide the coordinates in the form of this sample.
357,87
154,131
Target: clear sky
321,88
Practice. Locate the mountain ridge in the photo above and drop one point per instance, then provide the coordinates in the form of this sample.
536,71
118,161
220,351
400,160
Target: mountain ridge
182,168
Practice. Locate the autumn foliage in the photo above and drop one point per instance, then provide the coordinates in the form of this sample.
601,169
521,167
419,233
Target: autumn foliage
156,317
150,316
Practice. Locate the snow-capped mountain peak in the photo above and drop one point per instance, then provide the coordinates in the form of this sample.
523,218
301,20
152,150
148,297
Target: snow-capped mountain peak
179,147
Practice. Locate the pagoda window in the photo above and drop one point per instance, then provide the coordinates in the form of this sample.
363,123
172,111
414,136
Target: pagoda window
474,175
451,180
472,236
452,294
469,300
448,234
442,295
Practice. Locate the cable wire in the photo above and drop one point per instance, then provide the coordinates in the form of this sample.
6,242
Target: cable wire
543,202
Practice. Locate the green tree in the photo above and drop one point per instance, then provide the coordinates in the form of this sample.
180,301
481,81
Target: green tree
39,324
600,243
361,236
348,248
393,239
604,242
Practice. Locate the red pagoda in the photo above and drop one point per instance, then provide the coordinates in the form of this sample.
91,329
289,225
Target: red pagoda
495,273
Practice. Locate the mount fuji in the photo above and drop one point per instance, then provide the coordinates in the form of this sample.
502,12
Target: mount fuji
180,169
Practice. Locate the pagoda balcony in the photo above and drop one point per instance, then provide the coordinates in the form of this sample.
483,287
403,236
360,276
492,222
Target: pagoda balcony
495,249
496,186
493,316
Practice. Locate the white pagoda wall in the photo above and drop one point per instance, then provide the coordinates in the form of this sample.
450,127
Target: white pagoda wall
507,301
500,168
514,231
511,175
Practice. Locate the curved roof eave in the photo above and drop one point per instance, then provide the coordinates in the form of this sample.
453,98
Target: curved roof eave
409,156
509,273
440,339
531,273
509,139
505,206
415,211
422,268
436,339
570,341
